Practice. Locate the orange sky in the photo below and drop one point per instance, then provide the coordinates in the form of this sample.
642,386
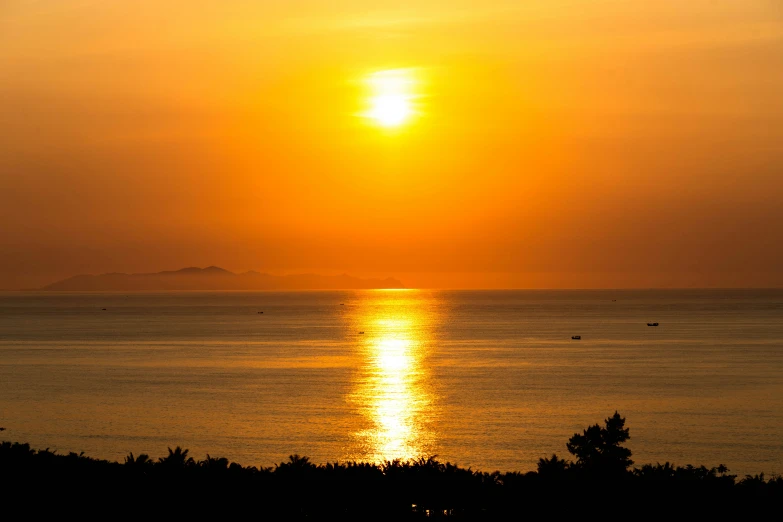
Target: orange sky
559,143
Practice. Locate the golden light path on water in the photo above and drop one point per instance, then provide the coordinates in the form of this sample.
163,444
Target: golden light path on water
392,390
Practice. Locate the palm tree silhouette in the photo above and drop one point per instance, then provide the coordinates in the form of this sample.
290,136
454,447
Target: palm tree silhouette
177,459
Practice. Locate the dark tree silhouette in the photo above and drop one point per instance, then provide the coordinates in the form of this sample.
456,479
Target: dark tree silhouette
214,465
177,486
142,462
554,468
599,451
177,459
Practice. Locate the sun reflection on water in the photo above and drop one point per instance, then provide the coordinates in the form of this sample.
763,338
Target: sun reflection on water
392,389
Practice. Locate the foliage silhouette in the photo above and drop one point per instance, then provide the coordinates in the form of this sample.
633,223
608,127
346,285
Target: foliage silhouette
177,459
178,485
553,468
598,450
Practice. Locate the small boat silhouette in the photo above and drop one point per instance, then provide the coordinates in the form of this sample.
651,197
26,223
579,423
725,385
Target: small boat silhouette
260,312
652,324
360,333
103,309
576,337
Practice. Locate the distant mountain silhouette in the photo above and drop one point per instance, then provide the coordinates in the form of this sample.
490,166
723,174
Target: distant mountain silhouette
215,278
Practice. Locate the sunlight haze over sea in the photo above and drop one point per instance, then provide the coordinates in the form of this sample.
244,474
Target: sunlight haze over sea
488,379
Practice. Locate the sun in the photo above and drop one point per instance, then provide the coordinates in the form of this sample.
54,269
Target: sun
391,101
390,110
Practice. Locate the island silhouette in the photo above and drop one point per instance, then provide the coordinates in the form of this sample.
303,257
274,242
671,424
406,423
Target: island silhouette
215,278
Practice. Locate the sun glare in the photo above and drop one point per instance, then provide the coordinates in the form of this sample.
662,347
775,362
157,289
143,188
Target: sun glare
392,97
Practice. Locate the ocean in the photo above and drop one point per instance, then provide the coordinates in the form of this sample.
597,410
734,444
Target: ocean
487,379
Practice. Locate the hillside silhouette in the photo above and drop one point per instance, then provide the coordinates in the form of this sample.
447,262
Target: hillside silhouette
598,483
215,278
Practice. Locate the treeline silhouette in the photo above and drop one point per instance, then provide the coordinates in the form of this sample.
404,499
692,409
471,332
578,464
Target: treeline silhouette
599,480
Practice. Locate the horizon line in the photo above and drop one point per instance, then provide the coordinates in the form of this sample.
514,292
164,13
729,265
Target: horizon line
479,289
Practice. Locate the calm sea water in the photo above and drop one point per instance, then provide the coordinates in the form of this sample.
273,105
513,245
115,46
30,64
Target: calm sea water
485,379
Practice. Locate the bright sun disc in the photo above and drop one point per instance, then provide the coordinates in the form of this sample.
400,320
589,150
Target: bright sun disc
391,101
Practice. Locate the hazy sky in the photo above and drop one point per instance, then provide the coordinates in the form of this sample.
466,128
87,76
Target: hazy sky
559,143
